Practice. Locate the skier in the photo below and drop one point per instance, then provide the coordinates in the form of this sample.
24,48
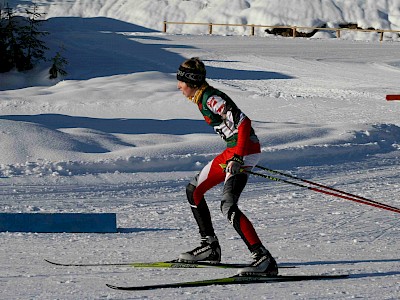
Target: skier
242,153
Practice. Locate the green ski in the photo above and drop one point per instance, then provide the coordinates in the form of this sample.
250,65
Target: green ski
237,279
161,264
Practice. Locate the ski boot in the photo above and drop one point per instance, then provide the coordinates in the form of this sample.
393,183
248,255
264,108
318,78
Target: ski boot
209,251
263,264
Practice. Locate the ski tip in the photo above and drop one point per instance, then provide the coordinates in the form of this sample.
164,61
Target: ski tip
129,288
112,286
52,262
61,264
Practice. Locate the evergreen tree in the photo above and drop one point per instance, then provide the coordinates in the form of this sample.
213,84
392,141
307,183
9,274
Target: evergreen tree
8,46
32,47
20,44
58,66
3,48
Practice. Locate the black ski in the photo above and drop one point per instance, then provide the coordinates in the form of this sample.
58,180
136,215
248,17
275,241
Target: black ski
161,264
237,279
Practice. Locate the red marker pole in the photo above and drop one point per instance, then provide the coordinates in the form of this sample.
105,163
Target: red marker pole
392,97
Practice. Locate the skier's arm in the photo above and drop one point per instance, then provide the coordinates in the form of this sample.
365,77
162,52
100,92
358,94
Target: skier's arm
243,136
236,162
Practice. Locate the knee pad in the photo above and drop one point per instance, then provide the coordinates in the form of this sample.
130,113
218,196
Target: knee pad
233,214
228,204
189,193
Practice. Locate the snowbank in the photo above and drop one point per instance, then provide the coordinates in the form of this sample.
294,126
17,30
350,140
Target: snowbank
378,14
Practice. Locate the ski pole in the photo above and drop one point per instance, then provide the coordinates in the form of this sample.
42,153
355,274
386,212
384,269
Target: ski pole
324,186
374,204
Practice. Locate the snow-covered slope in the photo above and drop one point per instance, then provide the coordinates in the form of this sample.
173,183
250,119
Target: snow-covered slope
379,14
117,136
105,115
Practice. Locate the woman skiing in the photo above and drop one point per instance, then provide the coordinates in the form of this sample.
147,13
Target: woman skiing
242,153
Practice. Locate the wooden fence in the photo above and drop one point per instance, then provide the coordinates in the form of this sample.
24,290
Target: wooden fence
294,32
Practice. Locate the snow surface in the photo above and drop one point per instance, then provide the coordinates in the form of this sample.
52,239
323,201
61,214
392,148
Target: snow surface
117,136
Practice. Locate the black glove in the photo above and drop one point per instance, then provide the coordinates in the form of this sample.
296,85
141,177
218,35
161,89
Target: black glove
234,164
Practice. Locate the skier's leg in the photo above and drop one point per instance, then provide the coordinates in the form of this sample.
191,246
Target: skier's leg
263,260
209,249
200,211
232,189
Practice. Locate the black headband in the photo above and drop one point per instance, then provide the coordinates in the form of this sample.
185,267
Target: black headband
192,76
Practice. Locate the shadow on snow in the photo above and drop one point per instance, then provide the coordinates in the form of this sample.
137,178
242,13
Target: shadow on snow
117,125
344,262
134,230
98,47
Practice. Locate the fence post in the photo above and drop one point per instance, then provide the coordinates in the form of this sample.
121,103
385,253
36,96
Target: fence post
338,34
210,28
381,39
294,31
165,26
252,29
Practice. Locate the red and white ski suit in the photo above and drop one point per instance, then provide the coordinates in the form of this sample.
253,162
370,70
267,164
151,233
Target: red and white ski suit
235,128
